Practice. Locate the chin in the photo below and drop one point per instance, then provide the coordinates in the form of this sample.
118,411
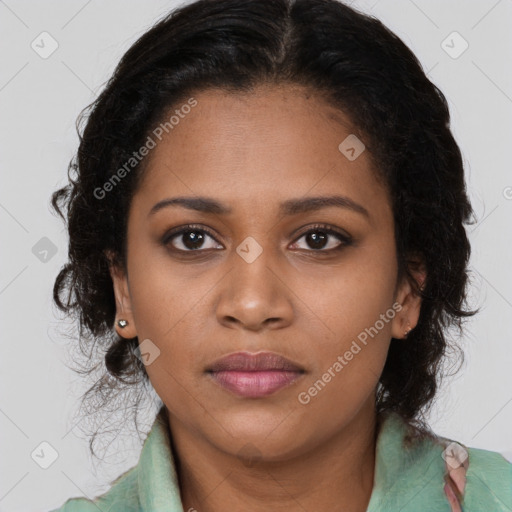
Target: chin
271,437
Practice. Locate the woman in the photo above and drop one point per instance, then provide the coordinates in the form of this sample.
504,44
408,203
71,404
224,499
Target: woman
266,222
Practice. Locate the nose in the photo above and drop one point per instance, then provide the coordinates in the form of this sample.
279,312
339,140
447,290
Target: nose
254,296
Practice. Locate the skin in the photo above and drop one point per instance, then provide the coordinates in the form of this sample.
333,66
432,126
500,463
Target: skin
251,152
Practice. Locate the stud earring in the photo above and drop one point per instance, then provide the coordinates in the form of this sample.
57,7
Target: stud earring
408,330
122,323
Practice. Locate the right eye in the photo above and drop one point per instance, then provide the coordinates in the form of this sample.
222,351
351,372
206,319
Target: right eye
189,238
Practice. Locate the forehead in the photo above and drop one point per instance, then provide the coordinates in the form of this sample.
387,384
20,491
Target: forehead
258,148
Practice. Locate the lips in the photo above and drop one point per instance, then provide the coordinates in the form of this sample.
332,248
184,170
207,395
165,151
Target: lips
247,362
254,375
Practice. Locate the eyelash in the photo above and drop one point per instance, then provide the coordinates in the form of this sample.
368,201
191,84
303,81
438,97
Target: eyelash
324,228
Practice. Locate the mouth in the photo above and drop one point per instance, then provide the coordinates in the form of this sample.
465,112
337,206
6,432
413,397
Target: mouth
254,375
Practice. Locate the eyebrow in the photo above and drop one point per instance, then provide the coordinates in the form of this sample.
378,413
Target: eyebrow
287,208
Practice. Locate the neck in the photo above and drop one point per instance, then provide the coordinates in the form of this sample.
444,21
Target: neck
336,474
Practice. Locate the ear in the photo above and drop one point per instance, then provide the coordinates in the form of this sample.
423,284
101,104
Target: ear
123,301
407,318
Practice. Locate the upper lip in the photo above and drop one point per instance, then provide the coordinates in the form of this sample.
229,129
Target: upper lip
252,362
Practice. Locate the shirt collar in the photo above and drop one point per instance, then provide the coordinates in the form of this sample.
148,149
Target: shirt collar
405,478
157,476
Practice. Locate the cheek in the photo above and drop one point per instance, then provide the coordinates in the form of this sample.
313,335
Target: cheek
351,356
355,308
353,295
163,296
165,309
168,317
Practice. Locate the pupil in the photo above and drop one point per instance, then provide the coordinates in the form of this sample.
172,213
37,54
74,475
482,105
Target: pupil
317,242
195,238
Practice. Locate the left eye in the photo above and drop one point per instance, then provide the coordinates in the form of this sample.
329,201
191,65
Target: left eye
318,239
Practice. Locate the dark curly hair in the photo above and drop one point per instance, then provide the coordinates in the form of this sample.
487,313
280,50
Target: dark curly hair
348,58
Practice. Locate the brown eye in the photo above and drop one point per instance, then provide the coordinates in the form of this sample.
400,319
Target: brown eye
323,239
190,239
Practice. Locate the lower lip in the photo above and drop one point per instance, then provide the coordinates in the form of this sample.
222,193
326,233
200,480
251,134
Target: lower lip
255,384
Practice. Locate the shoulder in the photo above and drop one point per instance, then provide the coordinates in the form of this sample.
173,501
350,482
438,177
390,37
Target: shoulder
480,479
488,481
149,486
121,496
419,470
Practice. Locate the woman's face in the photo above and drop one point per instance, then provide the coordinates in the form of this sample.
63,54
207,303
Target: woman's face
254,274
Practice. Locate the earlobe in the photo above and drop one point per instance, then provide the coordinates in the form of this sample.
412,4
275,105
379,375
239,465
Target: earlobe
124,322
410,300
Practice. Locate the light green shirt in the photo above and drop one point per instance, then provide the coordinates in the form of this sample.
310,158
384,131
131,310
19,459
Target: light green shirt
405,480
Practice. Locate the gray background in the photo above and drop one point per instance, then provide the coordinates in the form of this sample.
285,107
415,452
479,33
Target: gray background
40,99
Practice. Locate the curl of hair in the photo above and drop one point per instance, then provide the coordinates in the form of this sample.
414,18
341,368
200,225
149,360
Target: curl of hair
352,61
